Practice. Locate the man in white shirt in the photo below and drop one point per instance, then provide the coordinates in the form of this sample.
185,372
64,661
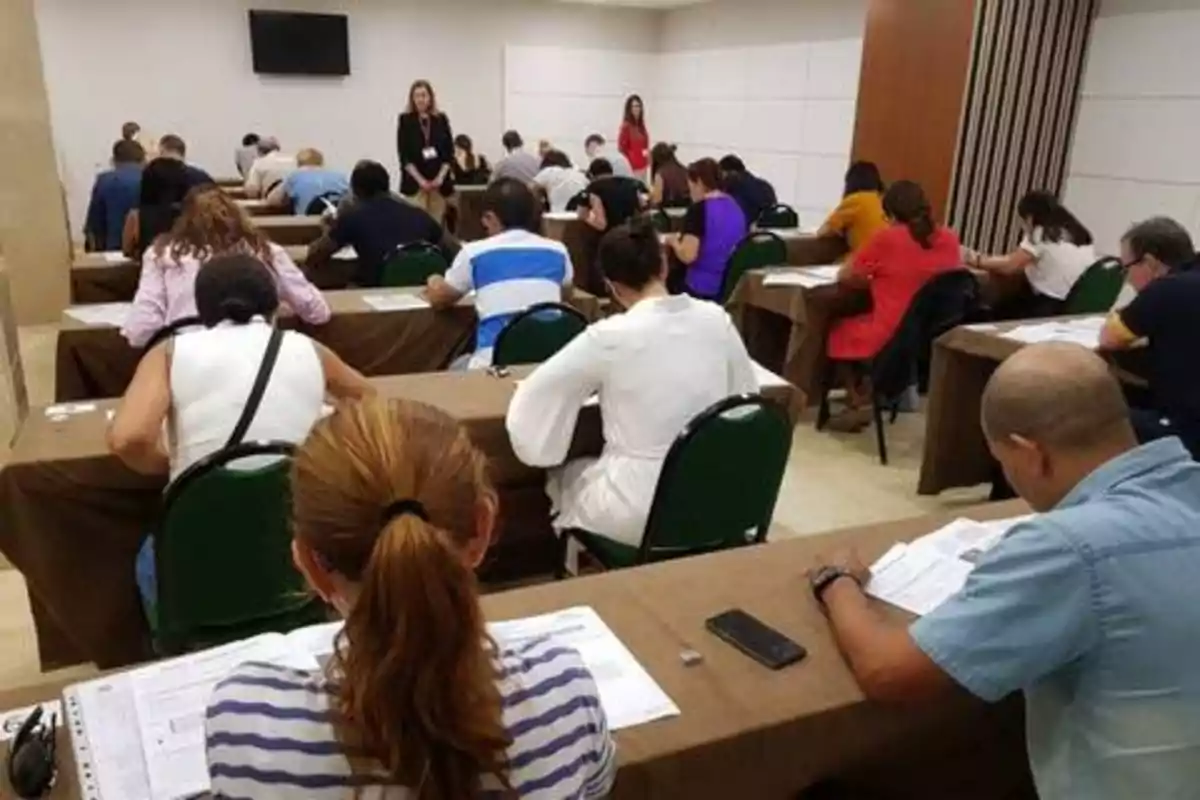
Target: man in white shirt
598,148
558,180
511,270
270,169
518,164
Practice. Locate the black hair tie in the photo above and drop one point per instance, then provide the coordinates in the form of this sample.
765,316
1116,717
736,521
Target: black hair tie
402,507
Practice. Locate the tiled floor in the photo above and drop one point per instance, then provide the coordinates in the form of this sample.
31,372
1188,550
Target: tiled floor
832,482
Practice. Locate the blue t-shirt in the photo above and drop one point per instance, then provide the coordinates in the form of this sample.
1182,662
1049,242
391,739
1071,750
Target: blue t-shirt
1094,610
508,272
308,183
114,194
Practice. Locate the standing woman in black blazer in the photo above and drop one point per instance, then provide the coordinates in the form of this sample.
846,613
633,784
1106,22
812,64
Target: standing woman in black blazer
426,148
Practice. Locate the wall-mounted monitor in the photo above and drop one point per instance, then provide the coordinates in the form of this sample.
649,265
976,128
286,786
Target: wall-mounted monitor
291,43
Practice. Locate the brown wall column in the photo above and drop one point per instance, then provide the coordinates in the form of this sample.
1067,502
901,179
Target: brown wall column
916,59
34,232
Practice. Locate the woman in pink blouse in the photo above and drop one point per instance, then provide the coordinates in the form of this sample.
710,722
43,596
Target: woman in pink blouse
210,225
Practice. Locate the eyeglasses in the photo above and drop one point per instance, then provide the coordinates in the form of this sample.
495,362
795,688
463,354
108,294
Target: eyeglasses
31,764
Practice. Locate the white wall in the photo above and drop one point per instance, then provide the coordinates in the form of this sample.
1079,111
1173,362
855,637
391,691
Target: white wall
1135,153
183,66
564,94
774,81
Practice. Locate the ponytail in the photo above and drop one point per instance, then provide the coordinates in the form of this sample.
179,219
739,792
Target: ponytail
922,228
416,684
906,203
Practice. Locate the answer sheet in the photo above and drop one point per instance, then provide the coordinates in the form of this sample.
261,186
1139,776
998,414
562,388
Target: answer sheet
1083,331
627,692
395,301
808,277
101,314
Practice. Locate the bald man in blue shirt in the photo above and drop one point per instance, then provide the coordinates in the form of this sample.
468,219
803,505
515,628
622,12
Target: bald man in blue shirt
1091,608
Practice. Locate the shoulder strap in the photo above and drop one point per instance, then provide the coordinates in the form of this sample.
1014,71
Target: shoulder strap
270,355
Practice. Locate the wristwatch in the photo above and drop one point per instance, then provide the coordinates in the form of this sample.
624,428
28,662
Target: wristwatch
826,576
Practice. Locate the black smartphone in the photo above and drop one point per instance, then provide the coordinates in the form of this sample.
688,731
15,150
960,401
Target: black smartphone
755,638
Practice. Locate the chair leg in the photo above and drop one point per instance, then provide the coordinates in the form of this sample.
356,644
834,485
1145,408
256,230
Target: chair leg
560,566
880,434
824,412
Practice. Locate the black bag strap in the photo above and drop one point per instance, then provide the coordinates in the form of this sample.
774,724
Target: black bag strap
270,356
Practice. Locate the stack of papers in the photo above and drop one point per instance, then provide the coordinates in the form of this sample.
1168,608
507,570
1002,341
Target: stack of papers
111,315
1084,331
920,576
396,301
116,257
140,735
808,277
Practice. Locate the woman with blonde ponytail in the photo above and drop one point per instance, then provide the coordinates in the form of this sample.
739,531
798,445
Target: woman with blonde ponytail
393,511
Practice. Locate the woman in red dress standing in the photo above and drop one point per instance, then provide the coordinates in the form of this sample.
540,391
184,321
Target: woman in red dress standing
894,264
634,140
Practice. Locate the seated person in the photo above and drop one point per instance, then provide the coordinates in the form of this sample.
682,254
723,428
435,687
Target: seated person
752,193
165,184
860,214
1090,608
893,266
269,170
596,147
195,385
1056,251
172,146
311,181
210,225
114,195
669,181
374,224
509,271
1161,261
559,181
714,226
392,514
518,163
654,368
612,200
469,168
245,156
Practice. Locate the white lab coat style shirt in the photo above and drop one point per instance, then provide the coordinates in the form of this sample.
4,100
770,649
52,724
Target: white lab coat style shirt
654,368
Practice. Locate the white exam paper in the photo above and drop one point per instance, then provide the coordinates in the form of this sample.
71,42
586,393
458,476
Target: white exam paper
398,301
766,378
627,692
107,314
115,257
1083,331
347,253
12,720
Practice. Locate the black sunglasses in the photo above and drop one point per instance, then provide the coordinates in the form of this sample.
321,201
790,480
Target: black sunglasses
31,763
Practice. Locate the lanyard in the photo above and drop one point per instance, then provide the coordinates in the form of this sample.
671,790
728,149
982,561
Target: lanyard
426,128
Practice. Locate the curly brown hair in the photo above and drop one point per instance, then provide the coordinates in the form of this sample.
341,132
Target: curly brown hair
212,224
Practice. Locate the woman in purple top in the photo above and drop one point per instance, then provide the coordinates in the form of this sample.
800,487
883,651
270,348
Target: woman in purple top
712,229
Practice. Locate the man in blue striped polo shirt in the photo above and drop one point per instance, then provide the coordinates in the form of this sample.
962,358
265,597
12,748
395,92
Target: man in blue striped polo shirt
511,270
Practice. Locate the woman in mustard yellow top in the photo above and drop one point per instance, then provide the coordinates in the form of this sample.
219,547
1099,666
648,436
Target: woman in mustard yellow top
860,214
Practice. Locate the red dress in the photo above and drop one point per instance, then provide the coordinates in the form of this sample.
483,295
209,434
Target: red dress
897,267
634,144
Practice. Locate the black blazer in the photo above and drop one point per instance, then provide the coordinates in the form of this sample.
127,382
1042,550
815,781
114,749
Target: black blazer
411,144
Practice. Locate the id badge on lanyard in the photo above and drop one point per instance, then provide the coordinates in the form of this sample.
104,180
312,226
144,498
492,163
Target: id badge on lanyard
430,152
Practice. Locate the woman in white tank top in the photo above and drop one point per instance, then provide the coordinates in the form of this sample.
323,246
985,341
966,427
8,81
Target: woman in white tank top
189,392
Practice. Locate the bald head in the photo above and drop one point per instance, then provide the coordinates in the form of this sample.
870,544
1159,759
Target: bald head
1061,396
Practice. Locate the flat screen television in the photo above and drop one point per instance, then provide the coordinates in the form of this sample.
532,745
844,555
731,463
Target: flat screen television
290,43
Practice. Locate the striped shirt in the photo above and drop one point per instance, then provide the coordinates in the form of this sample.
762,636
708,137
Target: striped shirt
270,737
508,272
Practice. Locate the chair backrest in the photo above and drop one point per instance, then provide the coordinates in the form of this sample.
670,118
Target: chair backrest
169,331
272,186
758,249
537,333
944,302
322,203
223,551
1097,288
580,199
780,215
412,264
719,481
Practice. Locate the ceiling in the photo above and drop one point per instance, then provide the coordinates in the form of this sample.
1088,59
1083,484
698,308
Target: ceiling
639,3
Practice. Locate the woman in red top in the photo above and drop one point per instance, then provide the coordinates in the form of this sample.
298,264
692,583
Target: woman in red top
634,140
893,266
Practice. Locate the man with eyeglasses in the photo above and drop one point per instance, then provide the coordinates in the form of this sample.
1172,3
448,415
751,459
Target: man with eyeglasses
1160,259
